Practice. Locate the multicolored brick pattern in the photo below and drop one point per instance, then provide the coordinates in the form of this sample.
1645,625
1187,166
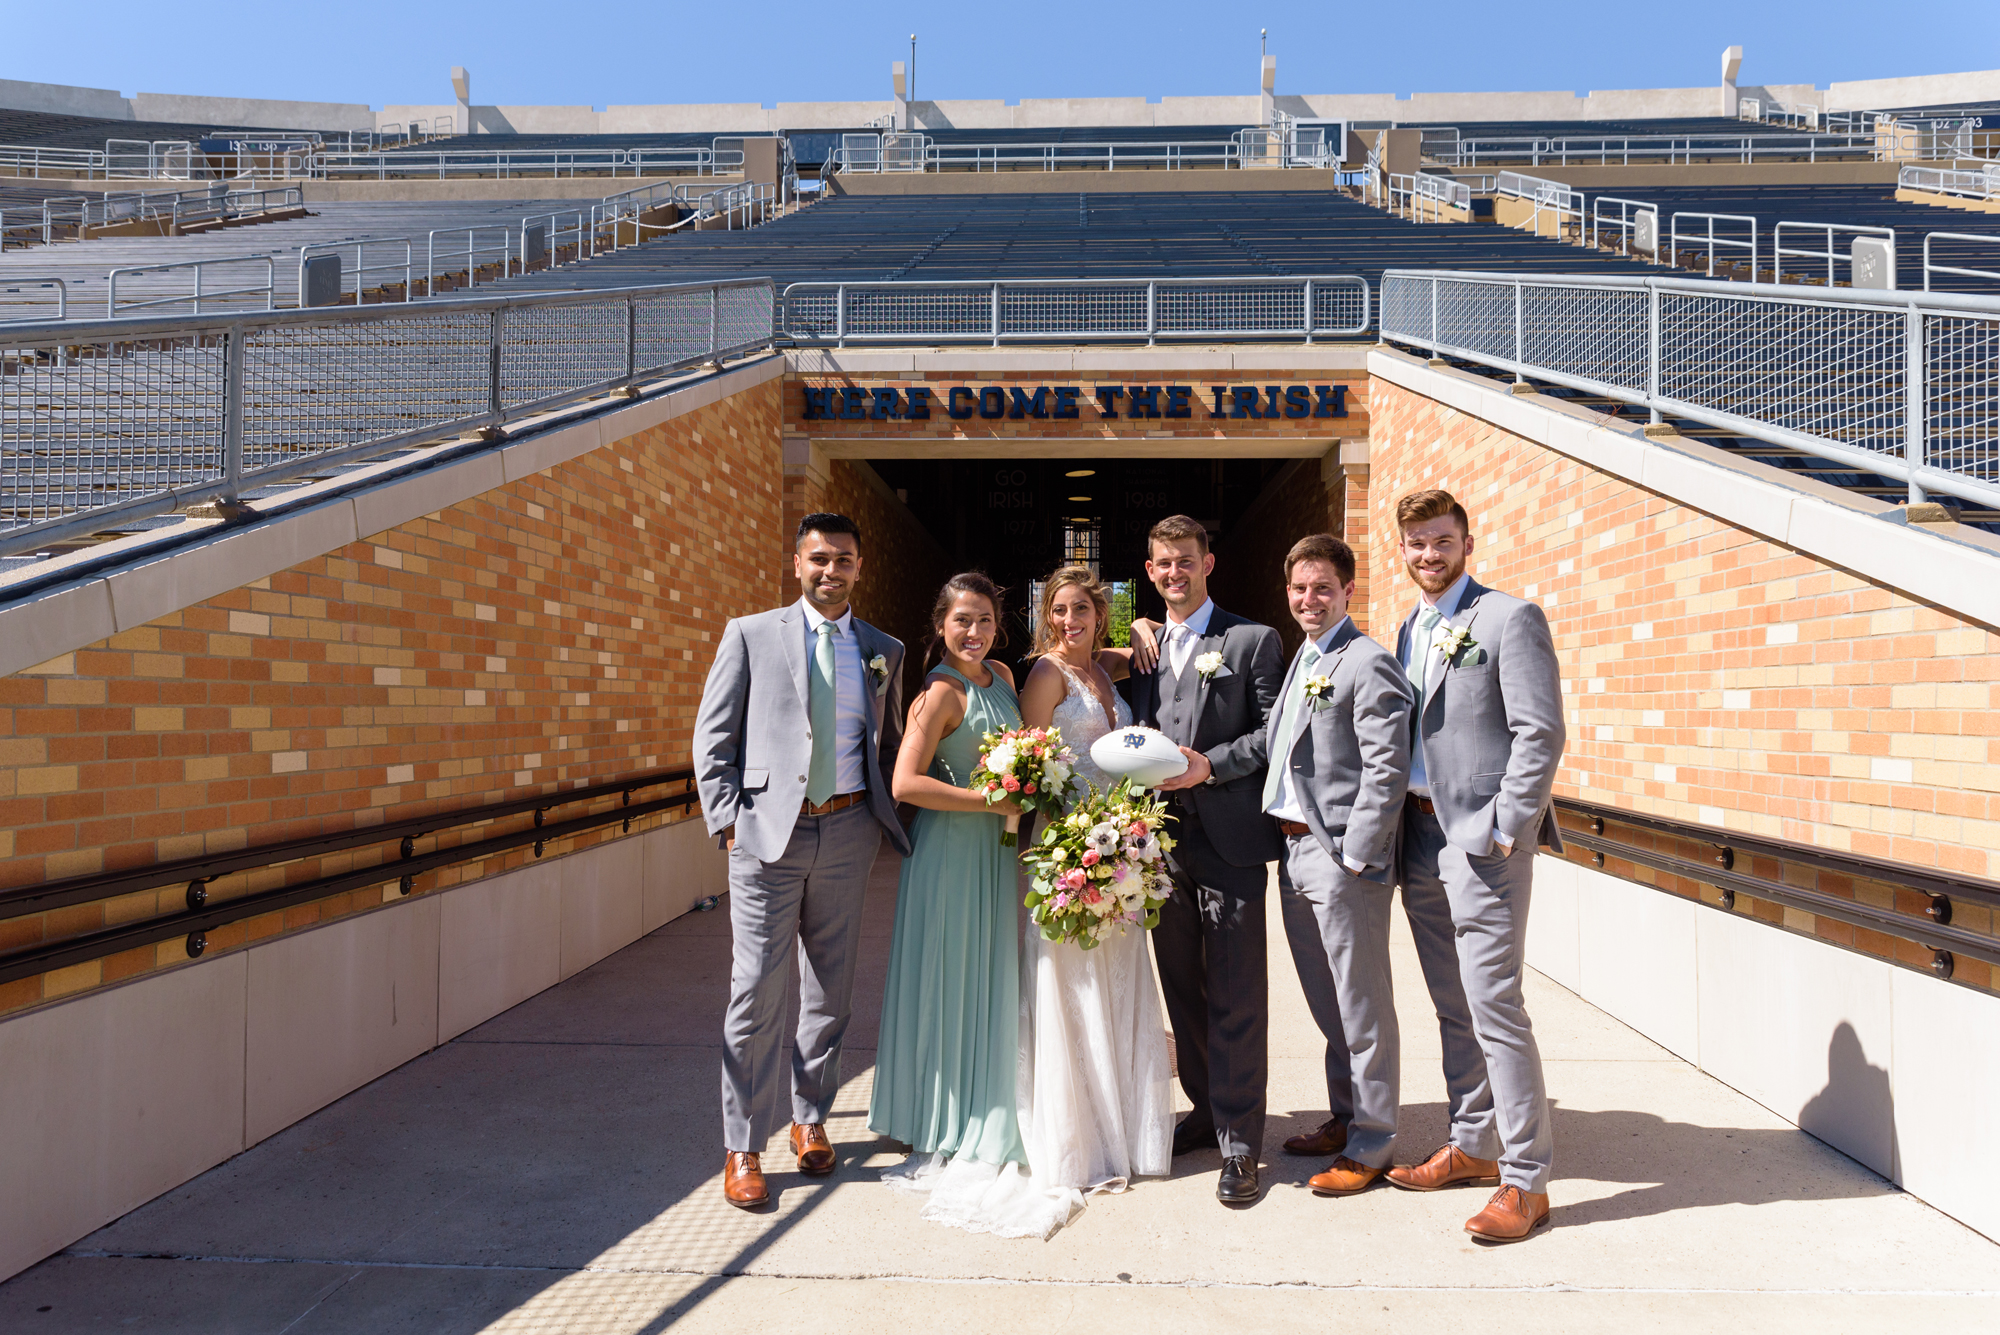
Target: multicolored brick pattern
546,635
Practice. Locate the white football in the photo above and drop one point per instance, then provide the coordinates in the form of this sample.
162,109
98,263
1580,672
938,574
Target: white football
1143,755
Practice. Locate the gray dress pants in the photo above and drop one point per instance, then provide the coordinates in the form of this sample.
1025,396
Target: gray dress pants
1470,919
809,903
1338,927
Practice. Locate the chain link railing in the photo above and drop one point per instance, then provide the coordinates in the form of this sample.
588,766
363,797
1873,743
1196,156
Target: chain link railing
112,421
1064,310
1904,385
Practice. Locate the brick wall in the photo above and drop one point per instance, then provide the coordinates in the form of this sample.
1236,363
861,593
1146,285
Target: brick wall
1717,677
553,632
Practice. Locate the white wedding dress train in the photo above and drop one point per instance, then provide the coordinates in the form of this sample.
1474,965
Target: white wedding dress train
1094,1090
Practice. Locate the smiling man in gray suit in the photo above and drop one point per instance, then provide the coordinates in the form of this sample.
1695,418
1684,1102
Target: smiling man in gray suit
795,739
1488,739
1340,767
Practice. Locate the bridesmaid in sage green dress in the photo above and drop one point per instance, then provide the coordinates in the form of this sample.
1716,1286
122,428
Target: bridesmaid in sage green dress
950,1036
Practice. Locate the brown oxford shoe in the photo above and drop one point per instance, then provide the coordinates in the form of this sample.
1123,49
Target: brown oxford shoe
1344,1177
815,1152
1330,1138
743,1181
1449,1167
1510,1216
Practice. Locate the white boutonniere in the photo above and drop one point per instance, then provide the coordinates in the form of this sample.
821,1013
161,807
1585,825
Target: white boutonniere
878,668
1316,689
1453,640
1208,665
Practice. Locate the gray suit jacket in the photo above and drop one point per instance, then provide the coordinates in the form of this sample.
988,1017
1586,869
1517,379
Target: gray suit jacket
1350,758
751,750
1493,723
1225,722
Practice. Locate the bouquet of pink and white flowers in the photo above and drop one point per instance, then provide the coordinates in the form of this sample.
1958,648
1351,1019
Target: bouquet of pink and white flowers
1099,869
1030,765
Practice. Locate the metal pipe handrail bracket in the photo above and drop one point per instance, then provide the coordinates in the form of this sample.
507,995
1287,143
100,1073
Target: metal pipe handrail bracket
1779,250
1710,239
1990,240
1626,224
14,287
1899,384
267,289
1066,310
105,422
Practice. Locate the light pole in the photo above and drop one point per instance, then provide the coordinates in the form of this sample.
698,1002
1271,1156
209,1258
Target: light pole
913,77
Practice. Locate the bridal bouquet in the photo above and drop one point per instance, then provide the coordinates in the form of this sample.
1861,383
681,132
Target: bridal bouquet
1098,870
1030,765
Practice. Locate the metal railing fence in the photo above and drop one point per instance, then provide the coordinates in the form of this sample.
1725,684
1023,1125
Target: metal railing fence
200,290
1829,252
1547,197
1675,150
1077,310
112,421
486,246
1423,197
1981,184
1991,241
1635,224
1899,384
30,297
507,164
1710,240
358,273
871,153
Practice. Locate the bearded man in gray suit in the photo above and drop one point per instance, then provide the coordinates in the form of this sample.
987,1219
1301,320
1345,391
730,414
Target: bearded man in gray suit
795,739
1340,768
1488,739
1218,674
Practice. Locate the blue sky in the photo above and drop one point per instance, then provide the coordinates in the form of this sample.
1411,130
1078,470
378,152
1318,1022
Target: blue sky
781,50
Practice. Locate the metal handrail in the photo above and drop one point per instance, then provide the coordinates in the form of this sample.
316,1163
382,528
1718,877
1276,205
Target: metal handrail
474,248
1830,255
234,402
1991,239
882,312
13,284
1562,199
203,916
1983,184
1710,239
1932,931
362,268
508,163
268,290
1669,149
1878,381
1054,155
1626,224
1434,194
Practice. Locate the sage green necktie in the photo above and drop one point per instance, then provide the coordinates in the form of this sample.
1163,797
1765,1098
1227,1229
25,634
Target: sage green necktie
1420,655
822,714
1288,724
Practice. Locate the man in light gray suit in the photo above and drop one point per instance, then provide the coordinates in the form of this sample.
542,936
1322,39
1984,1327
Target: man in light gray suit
1340,767
1488,739
795,739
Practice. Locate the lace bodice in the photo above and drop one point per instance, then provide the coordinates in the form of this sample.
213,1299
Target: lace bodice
1080,716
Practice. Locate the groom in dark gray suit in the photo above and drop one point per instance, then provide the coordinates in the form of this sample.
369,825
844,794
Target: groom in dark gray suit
794,744
1217,678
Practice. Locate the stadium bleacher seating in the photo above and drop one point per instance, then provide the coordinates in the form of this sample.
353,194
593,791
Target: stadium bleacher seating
875,237
40,129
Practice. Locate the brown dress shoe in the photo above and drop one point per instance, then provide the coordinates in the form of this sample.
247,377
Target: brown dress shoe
815,1152
1344,1177
1449,1167
1510,1216
743,1181
1330,1138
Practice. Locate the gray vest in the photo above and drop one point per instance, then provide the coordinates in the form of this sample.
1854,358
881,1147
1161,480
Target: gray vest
1177,698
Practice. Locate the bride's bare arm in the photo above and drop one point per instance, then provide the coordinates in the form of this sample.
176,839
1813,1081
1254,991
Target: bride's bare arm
1041,693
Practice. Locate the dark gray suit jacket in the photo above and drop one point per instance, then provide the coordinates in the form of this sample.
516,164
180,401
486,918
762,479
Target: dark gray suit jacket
751,748
1493,724
1226,723
1350,759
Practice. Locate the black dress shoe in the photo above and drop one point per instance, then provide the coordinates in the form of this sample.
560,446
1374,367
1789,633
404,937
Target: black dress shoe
1238,1185
1192,1135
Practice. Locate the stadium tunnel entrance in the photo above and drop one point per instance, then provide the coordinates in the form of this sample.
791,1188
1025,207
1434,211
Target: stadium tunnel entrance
1016,462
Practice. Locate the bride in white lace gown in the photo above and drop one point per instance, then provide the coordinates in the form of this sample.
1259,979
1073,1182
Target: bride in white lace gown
1094,1092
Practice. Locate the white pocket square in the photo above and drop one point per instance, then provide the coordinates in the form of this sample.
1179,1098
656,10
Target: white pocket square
1220,673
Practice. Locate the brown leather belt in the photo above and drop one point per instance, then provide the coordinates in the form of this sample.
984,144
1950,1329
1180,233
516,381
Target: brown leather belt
1423,804
1294,829
832,804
